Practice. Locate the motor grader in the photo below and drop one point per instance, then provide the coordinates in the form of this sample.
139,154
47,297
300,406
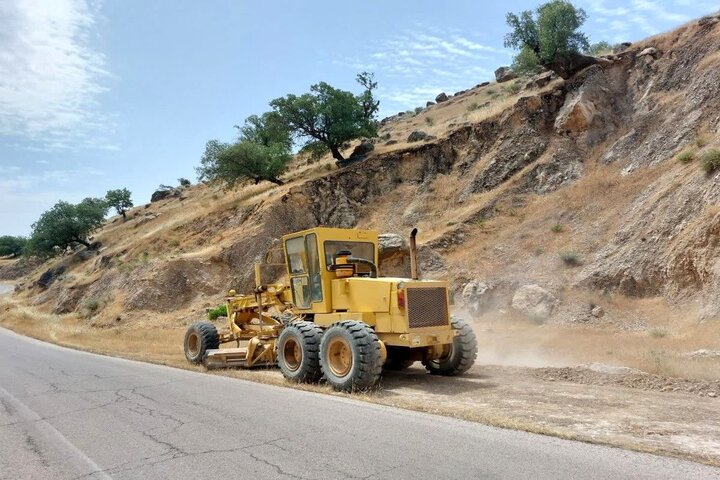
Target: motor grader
335,317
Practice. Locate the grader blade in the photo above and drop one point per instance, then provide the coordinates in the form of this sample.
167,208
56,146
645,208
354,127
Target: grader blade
226,358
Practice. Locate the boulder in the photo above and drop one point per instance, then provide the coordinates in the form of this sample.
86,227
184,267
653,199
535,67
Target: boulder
164,192
390,243
534,302
539,81
483,84
429,104
50,276
442,97
417,136
362,150
650,51
504,74
576,115
476,296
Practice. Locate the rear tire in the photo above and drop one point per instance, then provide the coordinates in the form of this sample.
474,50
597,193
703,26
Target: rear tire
199,338
298,352
462,353
350,356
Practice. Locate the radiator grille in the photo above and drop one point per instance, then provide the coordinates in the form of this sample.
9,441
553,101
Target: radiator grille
427,307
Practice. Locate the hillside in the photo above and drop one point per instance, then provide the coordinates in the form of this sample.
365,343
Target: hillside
573,187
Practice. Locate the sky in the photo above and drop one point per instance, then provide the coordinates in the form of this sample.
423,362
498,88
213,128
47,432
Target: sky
96,95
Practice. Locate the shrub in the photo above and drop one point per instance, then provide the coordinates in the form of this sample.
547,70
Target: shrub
570,258
473,106
711,160
514,87
184,182
92,305
430,121
686,156
701,141
658,332
219,311
557,228
419,109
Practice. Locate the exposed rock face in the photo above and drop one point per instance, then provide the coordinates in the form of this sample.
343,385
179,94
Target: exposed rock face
534,301
442,97
504,74
164,288
20,268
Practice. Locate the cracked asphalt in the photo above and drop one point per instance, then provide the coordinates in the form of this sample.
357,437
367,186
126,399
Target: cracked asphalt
66,414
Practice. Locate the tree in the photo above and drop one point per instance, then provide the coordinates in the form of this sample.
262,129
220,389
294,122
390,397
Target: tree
65,225
267,129
600,48
119,200
12,246
244,160
329,115
552,34
526,62
262,152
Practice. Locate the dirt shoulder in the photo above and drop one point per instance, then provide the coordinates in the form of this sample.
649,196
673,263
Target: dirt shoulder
623,408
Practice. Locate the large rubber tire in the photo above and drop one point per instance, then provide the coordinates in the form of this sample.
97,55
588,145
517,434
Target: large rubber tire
298,352
462,353
199,338
357,342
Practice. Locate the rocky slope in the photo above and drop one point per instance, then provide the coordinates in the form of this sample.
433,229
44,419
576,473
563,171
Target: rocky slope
554,202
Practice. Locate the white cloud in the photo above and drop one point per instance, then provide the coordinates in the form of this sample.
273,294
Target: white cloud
415,65
50,76
646,17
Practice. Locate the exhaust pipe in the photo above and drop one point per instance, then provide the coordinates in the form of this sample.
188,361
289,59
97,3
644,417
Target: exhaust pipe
413,255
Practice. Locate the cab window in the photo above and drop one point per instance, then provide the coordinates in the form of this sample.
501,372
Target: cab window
295,248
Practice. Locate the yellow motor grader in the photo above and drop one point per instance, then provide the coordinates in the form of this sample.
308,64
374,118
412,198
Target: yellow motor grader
336,318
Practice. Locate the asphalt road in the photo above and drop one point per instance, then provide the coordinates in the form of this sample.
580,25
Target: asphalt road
70,414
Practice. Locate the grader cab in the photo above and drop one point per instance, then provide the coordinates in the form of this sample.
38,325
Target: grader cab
335,317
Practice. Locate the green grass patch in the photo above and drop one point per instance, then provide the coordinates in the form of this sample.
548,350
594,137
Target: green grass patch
219,311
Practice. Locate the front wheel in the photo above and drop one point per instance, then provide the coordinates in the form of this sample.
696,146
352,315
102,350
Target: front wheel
199,338
350,356
462,353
